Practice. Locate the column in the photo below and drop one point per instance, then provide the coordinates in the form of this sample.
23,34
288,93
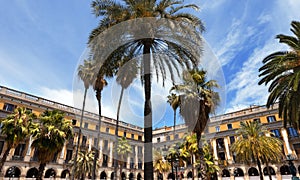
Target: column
28,152
110,153
90,143
286,140
100,150
136,156
227,149
62,155
214,145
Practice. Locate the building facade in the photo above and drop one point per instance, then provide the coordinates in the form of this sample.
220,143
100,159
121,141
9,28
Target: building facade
220,133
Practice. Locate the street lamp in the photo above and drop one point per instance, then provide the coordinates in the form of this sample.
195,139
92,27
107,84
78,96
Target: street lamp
292,168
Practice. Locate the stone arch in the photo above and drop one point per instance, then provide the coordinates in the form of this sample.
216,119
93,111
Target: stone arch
190,174
32,173
13,171
238,172
253,171
131,176
103,175
225,173
123,176
50,173
112,175
139,176
285,170
272,171
65,173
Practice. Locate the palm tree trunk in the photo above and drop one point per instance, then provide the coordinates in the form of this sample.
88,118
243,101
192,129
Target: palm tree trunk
268,170
259,168
79,134
116,134
41,171
193,169
148,162
6,153
174,132
98,96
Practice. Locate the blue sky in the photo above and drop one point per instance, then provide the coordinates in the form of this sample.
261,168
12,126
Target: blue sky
41,43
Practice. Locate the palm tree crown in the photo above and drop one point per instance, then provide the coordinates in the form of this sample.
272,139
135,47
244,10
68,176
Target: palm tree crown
282,70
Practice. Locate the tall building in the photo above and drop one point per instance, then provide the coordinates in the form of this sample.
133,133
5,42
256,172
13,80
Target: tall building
220,134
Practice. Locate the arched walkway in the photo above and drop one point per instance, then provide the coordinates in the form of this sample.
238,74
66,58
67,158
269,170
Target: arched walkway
13,171
50,173
112,175
272,171
238,172
190,174
285,170
123,176
225,173
139,176
32,173
253,171
65,173
103,175
131,176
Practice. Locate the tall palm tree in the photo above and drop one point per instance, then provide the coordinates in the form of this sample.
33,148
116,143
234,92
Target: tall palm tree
254,145
86,74
54,131
84,164
112,13
174,102
123,150
125,77
282,70
99,85
210,167
197,100
160,165
17,127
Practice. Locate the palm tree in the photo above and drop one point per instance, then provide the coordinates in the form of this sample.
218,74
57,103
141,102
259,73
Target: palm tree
176,156
84,164
123,150
282,70
17,127
86,74
125,77
54,131
255,146
190,148
174,102
160,165
112,13
210,167
197,100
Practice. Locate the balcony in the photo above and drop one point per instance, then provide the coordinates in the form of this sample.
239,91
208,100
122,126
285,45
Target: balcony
17,158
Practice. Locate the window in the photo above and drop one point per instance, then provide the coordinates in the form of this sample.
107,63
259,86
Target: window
176,136
105,158
168,138
232,139
132,136
69,155
271,119
9,107
74,122
96,127
131,163
107,130
222,155
158,140
133,149
140,138
19,150
83,142
1,146
124,134
105,144
139,164
220,143
256,120
229,126
217,128
95,142
140,150
275,132
86,125
292,132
